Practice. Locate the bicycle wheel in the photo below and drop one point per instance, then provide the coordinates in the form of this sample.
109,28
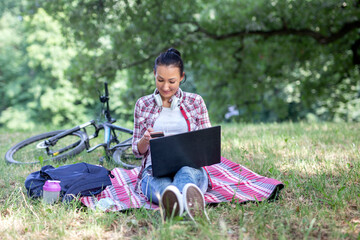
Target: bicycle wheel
27,151
123,155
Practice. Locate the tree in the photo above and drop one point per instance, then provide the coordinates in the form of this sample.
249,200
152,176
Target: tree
35,87
275,60
14,72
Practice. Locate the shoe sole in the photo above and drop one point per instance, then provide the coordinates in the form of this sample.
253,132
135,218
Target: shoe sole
168,201
194,202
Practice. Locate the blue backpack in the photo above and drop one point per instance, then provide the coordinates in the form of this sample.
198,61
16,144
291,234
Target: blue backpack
80,179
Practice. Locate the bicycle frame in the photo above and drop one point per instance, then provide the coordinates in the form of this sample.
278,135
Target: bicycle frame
110,128
60,145
109,137
109,133
53,140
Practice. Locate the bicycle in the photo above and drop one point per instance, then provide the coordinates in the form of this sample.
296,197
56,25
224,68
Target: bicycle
63,144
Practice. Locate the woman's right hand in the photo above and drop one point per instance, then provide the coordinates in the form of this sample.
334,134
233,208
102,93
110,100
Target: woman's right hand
144,142
147,135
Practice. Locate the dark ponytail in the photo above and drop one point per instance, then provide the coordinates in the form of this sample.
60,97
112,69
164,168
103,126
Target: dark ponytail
170,57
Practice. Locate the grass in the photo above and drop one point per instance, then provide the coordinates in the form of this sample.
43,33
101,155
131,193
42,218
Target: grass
319,163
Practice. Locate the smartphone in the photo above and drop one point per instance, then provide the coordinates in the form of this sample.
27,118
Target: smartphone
156,134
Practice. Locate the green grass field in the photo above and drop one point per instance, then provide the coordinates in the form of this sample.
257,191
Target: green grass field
319,163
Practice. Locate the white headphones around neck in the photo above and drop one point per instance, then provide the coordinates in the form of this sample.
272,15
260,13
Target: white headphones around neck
175,101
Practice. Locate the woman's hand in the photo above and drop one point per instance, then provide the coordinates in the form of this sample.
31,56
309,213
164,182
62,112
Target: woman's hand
144,142
146,137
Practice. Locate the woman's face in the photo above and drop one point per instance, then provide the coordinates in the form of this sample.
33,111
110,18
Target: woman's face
168,79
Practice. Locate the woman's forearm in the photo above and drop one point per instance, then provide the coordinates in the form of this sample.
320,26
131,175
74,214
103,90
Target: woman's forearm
143,146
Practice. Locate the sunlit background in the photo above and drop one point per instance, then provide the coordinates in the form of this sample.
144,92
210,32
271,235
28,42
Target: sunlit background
252,61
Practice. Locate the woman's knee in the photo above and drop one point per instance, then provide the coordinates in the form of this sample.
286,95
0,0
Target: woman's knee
153,186
187,169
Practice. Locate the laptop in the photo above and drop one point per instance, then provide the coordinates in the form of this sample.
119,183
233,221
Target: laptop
194,149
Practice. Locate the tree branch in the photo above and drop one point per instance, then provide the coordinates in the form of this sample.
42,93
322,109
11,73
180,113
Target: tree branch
320,38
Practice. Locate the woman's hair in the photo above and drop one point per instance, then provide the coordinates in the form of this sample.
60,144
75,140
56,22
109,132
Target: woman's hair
170,57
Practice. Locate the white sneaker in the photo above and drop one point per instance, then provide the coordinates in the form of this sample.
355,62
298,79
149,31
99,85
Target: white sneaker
171,201
194,201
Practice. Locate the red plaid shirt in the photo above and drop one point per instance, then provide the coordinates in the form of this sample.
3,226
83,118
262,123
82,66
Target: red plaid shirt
147,111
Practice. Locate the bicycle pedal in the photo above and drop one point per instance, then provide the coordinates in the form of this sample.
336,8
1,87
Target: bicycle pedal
101,160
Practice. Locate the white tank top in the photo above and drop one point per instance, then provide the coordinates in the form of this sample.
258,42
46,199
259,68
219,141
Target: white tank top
170,122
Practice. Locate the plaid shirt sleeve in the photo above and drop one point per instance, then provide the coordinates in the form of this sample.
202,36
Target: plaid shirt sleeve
140,125
137,131
196,111
204,120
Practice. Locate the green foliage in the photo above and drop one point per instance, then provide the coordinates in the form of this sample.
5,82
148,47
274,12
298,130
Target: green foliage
49,54
274,60
14,74
36,88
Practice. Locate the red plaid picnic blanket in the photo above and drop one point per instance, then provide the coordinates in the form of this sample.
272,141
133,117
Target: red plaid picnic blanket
230,182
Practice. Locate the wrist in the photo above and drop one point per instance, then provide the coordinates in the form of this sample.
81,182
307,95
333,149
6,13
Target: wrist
145,140
143,145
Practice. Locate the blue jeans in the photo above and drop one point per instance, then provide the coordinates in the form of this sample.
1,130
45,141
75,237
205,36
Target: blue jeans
153,187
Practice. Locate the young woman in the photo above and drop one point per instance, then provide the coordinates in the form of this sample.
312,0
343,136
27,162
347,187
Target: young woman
172,111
